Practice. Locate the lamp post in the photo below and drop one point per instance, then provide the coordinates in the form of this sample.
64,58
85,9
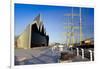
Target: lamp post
80,27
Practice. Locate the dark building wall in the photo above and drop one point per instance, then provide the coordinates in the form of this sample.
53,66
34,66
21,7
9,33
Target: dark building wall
47,38
38,38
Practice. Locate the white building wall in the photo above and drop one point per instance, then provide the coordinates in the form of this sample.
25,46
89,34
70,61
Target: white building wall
23,39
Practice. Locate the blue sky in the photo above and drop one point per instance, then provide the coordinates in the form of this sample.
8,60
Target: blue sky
53,19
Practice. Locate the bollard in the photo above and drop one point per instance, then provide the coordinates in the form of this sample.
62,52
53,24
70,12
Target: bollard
71,47
91,55
53,50
77,51
82,53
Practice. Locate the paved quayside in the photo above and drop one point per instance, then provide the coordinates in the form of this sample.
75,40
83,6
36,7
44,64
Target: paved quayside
40,55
